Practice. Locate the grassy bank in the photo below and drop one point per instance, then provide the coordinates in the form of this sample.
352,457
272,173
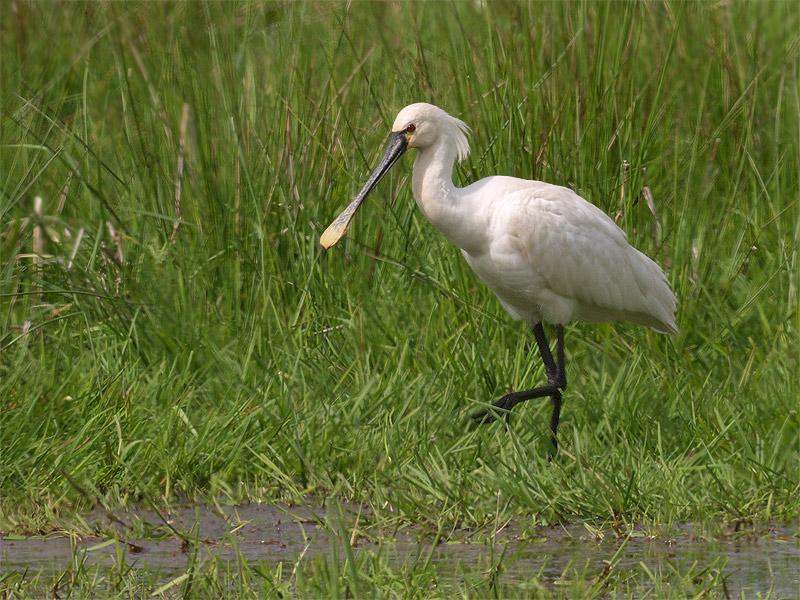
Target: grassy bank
171,328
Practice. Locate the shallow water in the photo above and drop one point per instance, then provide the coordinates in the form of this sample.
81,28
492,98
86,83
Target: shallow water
270,534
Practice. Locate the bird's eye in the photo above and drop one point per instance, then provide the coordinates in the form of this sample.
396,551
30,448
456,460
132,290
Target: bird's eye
411,128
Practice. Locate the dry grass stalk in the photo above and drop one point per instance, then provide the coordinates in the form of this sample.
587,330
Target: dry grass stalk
289,156
185,117
626,169
62,197
237,198
38,237
647,194
116,237
75,247
118,256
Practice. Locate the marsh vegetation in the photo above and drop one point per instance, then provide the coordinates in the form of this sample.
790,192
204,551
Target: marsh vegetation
172,331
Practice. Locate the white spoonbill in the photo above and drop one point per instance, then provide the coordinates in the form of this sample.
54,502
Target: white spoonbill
548,254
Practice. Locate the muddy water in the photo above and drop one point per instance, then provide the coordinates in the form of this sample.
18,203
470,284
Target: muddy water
270,534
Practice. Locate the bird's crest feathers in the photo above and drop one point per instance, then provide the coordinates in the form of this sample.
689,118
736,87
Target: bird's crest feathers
460,133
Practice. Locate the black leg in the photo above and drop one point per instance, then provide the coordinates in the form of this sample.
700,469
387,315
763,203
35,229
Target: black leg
544,350
556,383
560,381
562,367
555,416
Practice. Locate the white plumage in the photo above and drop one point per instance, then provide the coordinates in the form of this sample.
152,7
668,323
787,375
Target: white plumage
548,254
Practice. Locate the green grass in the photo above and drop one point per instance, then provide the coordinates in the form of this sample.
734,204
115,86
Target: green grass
214,350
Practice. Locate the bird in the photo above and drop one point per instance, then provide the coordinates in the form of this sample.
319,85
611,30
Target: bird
549,255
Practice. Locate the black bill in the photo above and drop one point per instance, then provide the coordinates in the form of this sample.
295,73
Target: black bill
394,150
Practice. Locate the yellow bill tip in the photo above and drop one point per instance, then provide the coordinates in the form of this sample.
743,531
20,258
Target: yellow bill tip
338,227
331,235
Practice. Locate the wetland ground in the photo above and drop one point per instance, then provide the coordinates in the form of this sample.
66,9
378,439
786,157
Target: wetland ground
162,547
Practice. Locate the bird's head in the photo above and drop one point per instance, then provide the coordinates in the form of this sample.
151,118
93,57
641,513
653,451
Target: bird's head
422,125
419,125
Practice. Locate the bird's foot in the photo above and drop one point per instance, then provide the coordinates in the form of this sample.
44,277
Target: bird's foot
483,416
500,408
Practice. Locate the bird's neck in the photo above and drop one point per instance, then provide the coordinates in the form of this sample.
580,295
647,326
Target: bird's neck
440,201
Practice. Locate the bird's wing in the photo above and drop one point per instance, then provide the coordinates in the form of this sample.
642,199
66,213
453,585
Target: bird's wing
576,251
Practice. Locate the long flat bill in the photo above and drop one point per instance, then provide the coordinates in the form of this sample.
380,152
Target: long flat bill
397,145
338,227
